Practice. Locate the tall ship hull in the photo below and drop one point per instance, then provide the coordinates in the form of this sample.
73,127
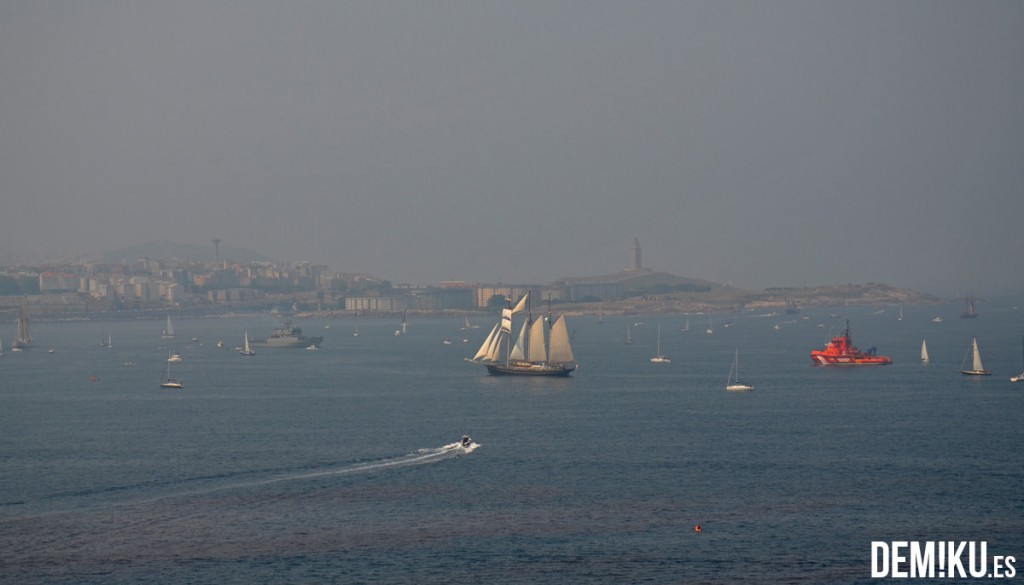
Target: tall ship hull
841,352
528,369
539,350
287,336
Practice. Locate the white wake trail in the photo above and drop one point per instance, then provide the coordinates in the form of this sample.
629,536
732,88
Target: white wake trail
418,457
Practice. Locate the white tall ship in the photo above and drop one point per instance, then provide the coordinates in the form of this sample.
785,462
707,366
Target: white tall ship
536,352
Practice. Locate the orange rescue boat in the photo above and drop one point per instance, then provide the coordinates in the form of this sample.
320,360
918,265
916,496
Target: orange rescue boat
841,352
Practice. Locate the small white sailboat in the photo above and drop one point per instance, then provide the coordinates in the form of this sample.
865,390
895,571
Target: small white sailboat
167,381
168,332
924,351
246,350
1,347
710,331
659,358
174,357
900,318
1018,378
629,336
977,369
109,343
733,382
686,324
356,332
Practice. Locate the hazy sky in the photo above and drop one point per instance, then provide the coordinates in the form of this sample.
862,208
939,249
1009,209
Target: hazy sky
762,143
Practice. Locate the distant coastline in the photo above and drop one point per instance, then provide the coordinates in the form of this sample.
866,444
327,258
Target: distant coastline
721,300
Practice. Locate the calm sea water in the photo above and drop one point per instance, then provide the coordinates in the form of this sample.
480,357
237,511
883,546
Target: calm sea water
299,466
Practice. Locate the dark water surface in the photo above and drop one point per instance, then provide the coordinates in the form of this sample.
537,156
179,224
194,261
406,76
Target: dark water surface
299,466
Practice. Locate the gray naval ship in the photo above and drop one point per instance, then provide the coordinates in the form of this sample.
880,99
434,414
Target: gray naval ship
288,336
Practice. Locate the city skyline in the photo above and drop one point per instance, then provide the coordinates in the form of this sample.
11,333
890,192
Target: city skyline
794,143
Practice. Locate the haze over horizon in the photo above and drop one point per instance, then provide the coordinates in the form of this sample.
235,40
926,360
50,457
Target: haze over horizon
763,144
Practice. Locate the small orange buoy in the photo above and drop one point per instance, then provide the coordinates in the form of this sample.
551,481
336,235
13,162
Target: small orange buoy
93,378
696,528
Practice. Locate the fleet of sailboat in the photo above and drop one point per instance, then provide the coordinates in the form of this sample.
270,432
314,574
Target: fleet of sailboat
977,368
733,382
542,347
537,351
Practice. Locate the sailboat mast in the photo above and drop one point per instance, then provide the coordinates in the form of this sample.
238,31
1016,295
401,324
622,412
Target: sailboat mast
508,336
550,321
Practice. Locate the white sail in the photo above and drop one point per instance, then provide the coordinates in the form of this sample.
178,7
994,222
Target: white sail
519,350
485,348
978,367
168,332
924,352
560,351
506,320
521,305
538,351
494,350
